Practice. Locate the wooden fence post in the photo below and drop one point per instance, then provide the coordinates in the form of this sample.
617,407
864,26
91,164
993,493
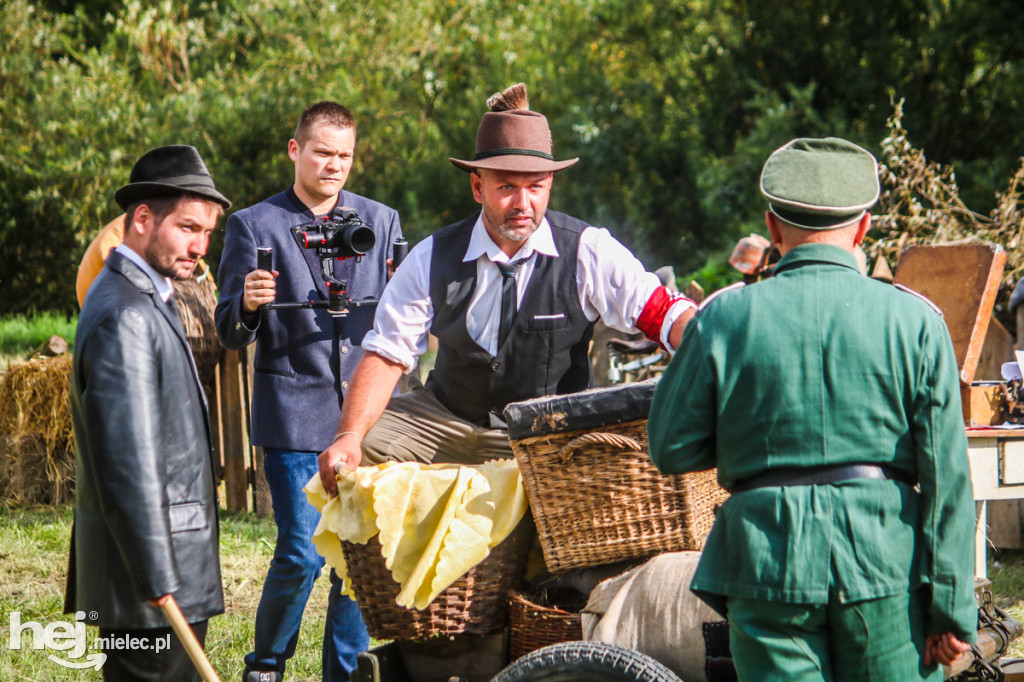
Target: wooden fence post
262,505
237,461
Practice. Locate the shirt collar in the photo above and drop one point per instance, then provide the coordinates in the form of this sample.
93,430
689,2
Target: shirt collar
817,253
162,284
297,202
480,243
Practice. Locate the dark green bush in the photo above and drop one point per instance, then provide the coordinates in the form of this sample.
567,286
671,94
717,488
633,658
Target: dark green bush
672,106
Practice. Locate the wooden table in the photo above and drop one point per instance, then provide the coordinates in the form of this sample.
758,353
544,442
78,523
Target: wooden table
997,473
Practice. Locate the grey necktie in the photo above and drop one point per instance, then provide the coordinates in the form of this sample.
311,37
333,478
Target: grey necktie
508,297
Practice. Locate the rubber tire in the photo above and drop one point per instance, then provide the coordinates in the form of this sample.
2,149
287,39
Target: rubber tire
586,662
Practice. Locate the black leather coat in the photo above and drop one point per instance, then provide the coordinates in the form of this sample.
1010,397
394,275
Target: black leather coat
145,499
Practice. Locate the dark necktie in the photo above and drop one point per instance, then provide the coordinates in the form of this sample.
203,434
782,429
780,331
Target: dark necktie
508,297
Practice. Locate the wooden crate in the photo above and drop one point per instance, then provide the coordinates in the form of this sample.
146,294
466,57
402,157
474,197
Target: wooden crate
962,280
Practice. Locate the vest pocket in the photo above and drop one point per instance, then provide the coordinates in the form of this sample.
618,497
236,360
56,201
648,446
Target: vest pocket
548,323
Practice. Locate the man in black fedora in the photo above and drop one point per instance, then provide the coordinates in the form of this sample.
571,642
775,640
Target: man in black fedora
145,501
511,293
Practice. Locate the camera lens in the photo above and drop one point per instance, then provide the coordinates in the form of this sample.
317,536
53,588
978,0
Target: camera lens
358,238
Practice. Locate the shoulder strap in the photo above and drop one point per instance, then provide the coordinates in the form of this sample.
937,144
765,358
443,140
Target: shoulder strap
709,299
921,296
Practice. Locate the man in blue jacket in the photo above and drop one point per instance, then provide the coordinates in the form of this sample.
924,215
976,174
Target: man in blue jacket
304,358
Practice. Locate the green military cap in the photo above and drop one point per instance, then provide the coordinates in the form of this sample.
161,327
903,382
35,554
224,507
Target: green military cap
820,184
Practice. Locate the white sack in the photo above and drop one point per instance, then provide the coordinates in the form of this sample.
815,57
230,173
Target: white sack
650,608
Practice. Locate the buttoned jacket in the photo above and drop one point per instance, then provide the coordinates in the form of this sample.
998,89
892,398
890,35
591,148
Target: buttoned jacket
819,365
304,357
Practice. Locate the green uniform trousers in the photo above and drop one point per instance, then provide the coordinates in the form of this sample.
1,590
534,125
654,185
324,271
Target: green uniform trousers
881,640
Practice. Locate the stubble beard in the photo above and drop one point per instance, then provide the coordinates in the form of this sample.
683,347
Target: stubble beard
510,231
165,268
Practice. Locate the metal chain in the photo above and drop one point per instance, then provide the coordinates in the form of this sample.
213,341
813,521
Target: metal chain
995,622
980,670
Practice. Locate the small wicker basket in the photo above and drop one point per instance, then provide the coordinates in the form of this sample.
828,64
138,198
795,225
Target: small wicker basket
597,498
475,604
532,625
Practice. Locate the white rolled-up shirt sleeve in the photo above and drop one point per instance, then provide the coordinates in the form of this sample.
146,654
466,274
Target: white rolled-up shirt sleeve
615,285
401,325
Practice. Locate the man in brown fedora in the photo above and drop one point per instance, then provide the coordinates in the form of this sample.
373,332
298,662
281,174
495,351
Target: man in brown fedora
145,500
512,295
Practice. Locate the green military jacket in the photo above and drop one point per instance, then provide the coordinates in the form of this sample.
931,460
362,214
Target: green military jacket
821,365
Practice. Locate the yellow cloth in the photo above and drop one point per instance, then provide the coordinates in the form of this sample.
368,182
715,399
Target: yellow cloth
436,521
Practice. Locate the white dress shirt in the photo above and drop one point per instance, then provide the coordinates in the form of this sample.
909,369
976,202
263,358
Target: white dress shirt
612,283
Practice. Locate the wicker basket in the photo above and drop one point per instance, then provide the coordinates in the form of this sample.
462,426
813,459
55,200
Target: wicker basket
475,604
532,625
597,499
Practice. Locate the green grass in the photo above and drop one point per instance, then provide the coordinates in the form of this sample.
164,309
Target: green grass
21,334
34,550
1006,571
34,553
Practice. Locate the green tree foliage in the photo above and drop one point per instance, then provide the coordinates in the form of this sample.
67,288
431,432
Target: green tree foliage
672,106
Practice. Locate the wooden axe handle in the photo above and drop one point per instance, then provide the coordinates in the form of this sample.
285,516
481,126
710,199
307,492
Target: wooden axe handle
188,638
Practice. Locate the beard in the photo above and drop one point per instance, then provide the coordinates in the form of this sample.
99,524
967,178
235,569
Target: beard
508,229
166,264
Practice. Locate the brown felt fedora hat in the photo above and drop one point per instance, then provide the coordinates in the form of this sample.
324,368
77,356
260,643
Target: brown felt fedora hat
513,138
167,171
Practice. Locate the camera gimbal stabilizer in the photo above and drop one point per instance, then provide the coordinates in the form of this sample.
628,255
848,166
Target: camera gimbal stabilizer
339,235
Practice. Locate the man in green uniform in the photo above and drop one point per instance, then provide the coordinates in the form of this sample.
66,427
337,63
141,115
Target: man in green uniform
823,397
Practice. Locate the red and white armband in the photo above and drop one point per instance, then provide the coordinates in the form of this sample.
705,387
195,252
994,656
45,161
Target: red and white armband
662,309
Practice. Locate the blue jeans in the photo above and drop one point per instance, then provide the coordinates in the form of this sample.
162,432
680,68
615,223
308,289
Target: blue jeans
294,568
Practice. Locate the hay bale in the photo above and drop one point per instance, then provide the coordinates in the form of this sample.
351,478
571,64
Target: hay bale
37,448
37,461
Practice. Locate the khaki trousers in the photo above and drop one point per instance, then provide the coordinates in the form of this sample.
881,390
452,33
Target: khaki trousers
416,427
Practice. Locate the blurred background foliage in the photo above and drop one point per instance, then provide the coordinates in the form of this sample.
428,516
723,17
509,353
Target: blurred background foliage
672,106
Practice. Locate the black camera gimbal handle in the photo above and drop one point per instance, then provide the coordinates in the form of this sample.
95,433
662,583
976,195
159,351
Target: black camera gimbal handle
338,301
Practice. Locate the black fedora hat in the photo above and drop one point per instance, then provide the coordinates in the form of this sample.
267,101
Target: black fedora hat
166,171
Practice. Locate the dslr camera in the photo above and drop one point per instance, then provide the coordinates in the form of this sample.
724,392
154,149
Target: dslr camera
341,234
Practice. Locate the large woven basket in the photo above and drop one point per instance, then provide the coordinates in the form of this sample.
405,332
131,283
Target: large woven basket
533,625
475,604
597,499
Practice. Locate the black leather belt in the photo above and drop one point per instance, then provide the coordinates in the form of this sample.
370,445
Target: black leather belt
828,473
